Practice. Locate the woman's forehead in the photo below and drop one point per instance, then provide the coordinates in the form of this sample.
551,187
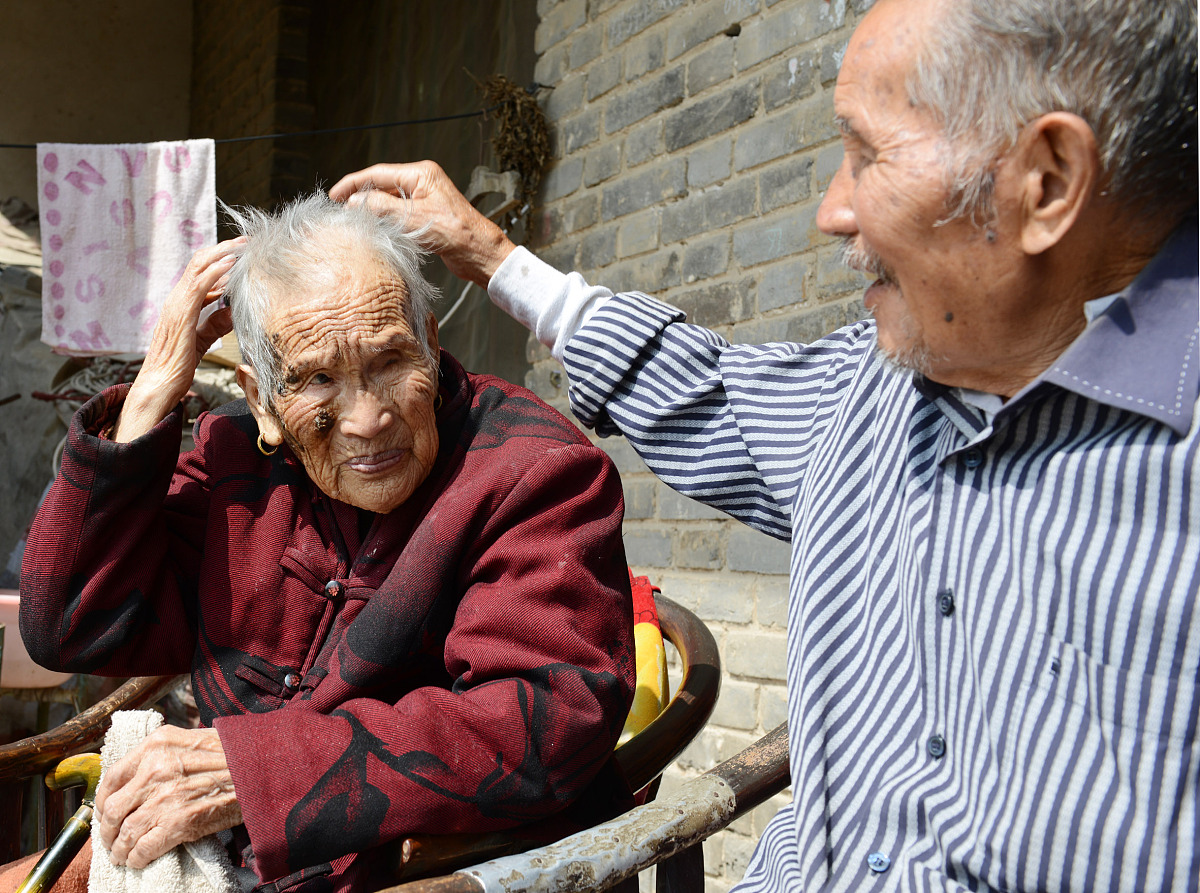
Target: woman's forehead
369,309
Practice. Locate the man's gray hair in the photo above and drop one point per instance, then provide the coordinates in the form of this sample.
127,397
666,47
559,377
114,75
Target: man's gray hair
1127,67
283,250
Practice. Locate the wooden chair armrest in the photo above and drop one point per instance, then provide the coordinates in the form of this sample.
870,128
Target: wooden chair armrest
38,753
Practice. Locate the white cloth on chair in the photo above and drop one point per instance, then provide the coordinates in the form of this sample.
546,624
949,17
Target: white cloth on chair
119,224
201,866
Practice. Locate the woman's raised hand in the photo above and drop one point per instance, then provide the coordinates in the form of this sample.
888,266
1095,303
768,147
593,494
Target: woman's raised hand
180,341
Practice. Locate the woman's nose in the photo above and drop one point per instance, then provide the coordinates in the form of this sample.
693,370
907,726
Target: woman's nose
366,415
835,216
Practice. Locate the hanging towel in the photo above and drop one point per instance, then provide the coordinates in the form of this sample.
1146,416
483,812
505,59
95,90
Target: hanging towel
201,866
119,224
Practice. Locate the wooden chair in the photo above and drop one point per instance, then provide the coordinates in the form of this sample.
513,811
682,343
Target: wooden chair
642,758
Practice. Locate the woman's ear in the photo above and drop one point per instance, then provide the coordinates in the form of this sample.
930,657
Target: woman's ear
268,425
1060,170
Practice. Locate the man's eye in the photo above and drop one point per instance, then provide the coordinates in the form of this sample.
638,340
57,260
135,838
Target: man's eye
320,379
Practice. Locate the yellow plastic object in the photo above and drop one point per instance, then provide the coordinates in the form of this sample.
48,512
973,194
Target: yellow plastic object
652,688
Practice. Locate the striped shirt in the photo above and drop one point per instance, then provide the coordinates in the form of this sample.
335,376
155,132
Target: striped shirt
993,629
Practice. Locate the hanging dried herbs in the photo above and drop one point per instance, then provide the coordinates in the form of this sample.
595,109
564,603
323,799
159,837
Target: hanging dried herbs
522,142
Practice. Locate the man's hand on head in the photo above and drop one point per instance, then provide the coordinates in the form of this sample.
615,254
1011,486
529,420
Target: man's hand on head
420,193
172,788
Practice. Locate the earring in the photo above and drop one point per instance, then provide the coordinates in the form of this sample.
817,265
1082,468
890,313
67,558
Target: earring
262,449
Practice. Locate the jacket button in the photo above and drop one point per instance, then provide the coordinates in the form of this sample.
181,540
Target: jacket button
973,458
878,862
291,681
334,589
946,602
936,745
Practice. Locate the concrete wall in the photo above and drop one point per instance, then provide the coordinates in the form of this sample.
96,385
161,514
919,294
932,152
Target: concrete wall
79,71
693,139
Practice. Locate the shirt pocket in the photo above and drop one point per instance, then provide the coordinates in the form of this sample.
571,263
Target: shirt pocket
1097,786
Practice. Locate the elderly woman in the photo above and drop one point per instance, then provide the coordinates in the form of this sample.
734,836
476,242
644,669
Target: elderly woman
399,587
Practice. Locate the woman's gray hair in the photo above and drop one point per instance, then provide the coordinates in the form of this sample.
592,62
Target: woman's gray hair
1127,67
284,249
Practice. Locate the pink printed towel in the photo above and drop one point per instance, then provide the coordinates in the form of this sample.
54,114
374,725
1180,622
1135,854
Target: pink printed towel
119,224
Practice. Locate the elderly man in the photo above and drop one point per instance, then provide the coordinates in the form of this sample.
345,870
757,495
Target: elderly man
990,489
399,587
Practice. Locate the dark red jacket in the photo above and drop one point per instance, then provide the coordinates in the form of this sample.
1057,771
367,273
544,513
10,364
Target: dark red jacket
463,664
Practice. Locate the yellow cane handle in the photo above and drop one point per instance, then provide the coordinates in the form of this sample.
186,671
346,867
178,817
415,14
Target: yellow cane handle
73,771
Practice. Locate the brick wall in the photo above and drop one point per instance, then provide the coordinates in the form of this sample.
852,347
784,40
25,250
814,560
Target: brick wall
692,142
248,80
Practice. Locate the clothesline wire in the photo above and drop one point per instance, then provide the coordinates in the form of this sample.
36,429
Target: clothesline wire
277,136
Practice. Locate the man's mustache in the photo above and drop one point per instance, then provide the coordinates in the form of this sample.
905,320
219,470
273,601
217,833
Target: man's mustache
859,257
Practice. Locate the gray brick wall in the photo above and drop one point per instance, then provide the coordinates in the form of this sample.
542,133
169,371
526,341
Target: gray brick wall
693,140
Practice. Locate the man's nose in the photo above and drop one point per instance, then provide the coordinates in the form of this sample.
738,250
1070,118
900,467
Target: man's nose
835,216
365,414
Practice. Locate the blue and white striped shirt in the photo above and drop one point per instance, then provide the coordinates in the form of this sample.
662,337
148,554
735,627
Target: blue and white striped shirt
993,632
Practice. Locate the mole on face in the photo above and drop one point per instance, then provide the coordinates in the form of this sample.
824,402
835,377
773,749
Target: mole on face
949,316
324,422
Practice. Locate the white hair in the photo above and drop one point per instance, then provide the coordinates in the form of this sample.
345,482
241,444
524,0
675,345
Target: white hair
283,250
1127,67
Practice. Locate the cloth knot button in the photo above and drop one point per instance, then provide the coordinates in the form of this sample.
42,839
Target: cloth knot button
972,458
878,862
936,745
334,589
291,681
946,602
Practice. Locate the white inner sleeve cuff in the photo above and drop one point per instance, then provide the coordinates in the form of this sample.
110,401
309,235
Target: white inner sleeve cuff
552,305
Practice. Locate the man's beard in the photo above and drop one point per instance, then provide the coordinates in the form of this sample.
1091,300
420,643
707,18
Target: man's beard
915,355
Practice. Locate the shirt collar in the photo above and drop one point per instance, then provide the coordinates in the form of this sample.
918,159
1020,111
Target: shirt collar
1142,353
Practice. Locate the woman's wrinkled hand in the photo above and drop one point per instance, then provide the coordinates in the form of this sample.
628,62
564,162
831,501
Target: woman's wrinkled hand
421,194
180,341
172,788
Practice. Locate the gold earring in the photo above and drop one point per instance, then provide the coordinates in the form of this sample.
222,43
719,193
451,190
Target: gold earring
262,449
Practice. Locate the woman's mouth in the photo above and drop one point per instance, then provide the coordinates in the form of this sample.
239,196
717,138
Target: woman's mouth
376,462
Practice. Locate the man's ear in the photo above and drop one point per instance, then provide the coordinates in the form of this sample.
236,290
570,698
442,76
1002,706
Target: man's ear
268,425
431,334
1060,170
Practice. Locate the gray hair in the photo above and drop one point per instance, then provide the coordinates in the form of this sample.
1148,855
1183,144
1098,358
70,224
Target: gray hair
284,248
1127,67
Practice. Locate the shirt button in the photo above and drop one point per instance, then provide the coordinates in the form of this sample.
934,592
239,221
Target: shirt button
972,458
936,745
946,602
291,681
878,863
334,589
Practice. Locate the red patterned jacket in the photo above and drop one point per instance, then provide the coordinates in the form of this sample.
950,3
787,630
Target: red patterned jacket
465,663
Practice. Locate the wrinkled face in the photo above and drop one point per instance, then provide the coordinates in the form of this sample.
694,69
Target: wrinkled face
943,299
357,399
